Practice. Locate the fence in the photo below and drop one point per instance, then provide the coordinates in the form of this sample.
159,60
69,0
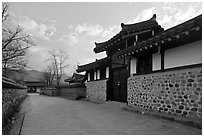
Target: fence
12,95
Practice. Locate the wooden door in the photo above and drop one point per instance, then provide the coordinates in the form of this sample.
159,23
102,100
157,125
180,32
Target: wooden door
119,85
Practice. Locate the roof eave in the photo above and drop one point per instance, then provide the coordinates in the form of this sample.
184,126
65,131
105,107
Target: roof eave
92,65
151,42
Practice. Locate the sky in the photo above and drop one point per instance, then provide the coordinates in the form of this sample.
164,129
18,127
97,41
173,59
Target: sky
74,27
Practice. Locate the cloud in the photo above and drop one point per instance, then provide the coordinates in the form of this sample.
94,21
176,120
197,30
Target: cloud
171,8
177,13
34,49
80,39
111,31
165,21
41,30
81,32
70,38
181,16
70,27
144,15
170,14
86,32
89,29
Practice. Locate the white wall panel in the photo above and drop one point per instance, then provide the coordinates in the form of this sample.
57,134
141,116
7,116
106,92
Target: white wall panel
156,61
188,54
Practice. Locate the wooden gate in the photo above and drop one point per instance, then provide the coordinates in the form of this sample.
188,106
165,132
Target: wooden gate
119,87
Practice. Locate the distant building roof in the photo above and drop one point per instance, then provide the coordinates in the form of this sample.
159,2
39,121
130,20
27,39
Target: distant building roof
75,78
92,65
127,28
34,83
190,30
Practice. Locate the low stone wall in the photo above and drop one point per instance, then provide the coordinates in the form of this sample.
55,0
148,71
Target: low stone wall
96,90
73,92
177,93
11,99
48,92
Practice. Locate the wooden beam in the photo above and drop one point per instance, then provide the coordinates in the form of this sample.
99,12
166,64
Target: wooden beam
129,35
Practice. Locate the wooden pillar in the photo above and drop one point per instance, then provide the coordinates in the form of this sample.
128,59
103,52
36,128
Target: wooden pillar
162,60
128,65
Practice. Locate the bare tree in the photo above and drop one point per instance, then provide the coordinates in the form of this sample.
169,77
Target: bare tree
76,66
15,44
59,59
49,74
5,7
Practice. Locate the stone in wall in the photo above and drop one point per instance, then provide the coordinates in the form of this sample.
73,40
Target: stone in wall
174,92
96,90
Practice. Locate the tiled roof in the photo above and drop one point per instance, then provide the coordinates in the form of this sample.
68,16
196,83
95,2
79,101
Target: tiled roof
75,78
92,65
165,36
141,25
136,27
8,83
34,84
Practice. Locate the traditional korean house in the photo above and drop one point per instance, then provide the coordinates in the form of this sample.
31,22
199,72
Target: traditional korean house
97,79
151,68
107,78
34,86
166,71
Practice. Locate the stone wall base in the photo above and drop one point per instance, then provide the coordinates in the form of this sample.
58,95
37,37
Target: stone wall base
177,92
96,91
73,93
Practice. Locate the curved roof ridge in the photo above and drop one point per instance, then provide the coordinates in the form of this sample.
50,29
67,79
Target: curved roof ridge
136,27
96,63
153,18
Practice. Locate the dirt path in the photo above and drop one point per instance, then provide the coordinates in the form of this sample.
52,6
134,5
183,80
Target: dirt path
46,115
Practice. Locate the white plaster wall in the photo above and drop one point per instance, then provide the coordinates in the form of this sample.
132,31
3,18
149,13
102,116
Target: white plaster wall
98,74
89,76
188,54
156,61
107,72
133,66
95,75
